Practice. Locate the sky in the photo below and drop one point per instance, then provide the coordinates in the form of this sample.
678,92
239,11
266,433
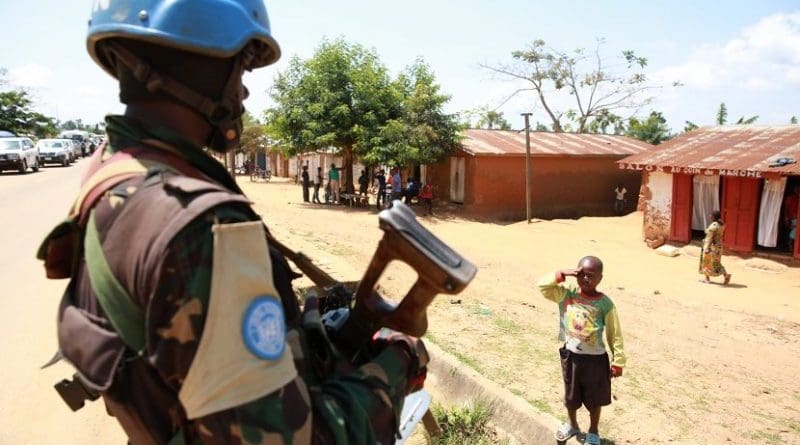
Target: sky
743,53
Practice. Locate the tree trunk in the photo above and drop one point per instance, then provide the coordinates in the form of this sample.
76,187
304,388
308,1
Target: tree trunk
347,169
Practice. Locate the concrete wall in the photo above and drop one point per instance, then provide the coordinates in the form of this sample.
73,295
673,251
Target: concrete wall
656,196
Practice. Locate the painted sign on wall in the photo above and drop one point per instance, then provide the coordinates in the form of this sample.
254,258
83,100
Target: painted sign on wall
689,170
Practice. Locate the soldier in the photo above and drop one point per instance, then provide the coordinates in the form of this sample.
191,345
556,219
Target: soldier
179,311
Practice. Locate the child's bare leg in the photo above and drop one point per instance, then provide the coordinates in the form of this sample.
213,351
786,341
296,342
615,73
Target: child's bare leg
573,419
594,419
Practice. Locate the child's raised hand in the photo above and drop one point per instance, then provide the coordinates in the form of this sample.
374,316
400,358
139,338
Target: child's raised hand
571,272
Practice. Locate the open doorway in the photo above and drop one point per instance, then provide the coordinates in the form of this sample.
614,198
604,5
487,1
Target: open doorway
789,215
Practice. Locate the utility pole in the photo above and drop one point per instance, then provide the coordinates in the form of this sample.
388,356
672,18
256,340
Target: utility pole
527,166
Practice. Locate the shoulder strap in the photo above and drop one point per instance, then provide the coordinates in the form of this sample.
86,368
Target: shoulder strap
123,313
197,197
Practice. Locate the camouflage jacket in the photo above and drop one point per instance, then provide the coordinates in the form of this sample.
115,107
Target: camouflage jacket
354,406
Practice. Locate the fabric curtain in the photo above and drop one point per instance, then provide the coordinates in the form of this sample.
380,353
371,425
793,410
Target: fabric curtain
705,193
769,214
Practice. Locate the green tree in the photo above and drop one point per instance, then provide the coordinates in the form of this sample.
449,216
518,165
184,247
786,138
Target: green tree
337,99
653,130
596,90
344,99
423,133
604,120
690,126
254,135
747,121
793,120
17,116
722,114
490,119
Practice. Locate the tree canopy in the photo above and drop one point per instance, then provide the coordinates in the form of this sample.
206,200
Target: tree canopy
490,119
18,116
592,84
343,99
653,130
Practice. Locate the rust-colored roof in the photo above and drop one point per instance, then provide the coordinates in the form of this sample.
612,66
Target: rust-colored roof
479,142
733,147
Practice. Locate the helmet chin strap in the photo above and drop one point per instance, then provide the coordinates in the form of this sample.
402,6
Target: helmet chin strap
223,115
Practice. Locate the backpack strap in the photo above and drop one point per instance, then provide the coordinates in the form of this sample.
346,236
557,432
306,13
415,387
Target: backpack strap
180,201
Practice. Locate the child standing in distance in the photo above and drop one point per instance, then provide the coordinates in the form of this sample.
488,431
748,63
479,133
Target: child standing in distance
586,314
426,195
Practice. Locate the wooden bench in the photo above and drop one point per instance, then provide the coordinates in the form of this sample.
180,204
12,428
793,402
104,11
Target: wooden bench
354,199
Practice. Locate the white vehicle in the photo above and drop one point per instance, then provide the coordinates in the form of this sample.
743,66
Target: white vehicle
75,148
18,154
54,151
80,137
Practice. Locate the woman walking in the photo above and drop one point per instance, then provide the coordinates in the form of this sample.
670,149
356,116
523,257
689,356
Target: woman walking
711,256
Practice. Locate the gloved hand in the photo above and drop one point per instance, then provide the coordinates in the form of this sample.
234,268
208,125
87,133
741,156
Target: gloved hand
412,346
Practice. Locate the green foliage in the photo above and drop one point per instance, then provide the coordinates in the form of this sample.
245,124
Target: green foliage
17,116
747,121
653,130
78,124
793,120
422,133
596,91
722,114
605,119
722,117
490,119
466,425
254,135
344,99
690,126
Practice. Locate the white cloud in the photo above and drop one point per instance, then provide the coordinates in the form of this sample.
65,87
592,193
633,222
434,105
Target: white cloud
32,75
764,57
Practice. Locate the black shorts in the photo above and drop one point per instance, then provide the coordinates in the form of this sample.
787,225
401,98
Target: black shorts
587,379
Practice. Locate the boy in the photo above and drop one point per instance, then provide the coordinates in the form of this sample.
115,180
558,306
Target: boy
426,194
585,313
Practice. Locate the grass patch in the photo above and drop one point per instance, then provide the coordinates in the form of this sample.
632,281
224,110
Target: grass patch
767,436
506,325
465,425
541,405
467,360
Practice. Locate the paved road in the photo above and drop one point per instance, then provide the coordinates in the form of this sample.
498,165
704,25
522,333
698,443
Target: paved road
31,412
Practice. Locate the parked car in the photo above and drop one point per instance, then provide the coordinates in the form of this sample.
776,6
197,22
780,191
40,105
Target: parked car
7,134
18,154
80,137
75,147
54,151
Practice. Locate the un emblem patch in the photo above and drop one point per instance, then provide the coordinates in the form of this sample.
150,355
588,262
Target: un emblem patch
264,329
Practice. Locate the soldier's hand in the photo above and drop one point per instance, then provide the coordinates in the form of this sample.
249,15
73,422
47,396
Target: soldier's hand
412,346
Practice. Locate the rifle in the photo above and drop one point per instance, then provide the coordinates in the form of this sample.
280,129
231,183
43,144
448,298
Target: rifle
439,270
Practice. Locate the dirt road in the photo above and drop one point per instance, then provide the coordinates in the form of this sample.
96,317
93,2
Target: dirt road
707,363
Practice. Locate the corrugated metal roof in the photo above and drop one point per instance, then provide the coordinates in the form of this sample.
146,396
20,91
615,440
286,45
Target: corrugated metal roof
479,142
735,147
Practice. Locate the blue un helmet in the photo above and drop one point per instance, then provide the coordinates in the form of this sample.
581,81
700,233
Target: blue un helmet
216,28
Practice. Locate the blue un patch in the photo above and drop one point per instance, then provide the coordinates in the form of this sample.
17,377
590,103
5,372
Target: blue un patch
264,329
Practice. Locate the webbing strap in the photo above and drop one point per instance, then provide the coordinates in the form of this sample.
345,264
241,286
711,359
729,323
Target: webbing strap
178,438
124,314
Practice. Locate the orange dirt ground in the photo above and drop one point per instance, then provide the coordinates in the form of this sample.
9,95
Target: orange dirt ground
706,363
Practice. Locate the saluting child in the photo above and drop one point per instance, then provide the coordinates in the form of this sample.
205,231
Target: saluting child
586,314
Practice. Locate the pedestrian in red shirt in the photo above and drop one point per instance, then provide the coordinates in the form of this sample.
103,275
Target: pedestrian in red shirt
426,195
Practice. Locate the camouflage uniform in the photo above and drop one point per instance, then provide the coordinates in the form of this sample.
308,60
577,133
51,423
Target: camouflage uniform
350,406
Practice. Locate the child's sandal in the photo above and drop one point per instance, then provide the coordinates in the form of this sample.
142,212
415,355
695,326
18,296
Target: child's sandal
592,439
566,431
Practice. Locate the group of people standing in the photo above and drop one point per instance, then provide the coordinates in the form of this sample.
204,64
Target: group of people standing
384,197
333,184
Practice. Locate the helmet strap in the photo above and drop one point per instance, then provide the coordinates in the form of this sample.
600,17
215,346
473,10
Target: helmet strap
224,115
